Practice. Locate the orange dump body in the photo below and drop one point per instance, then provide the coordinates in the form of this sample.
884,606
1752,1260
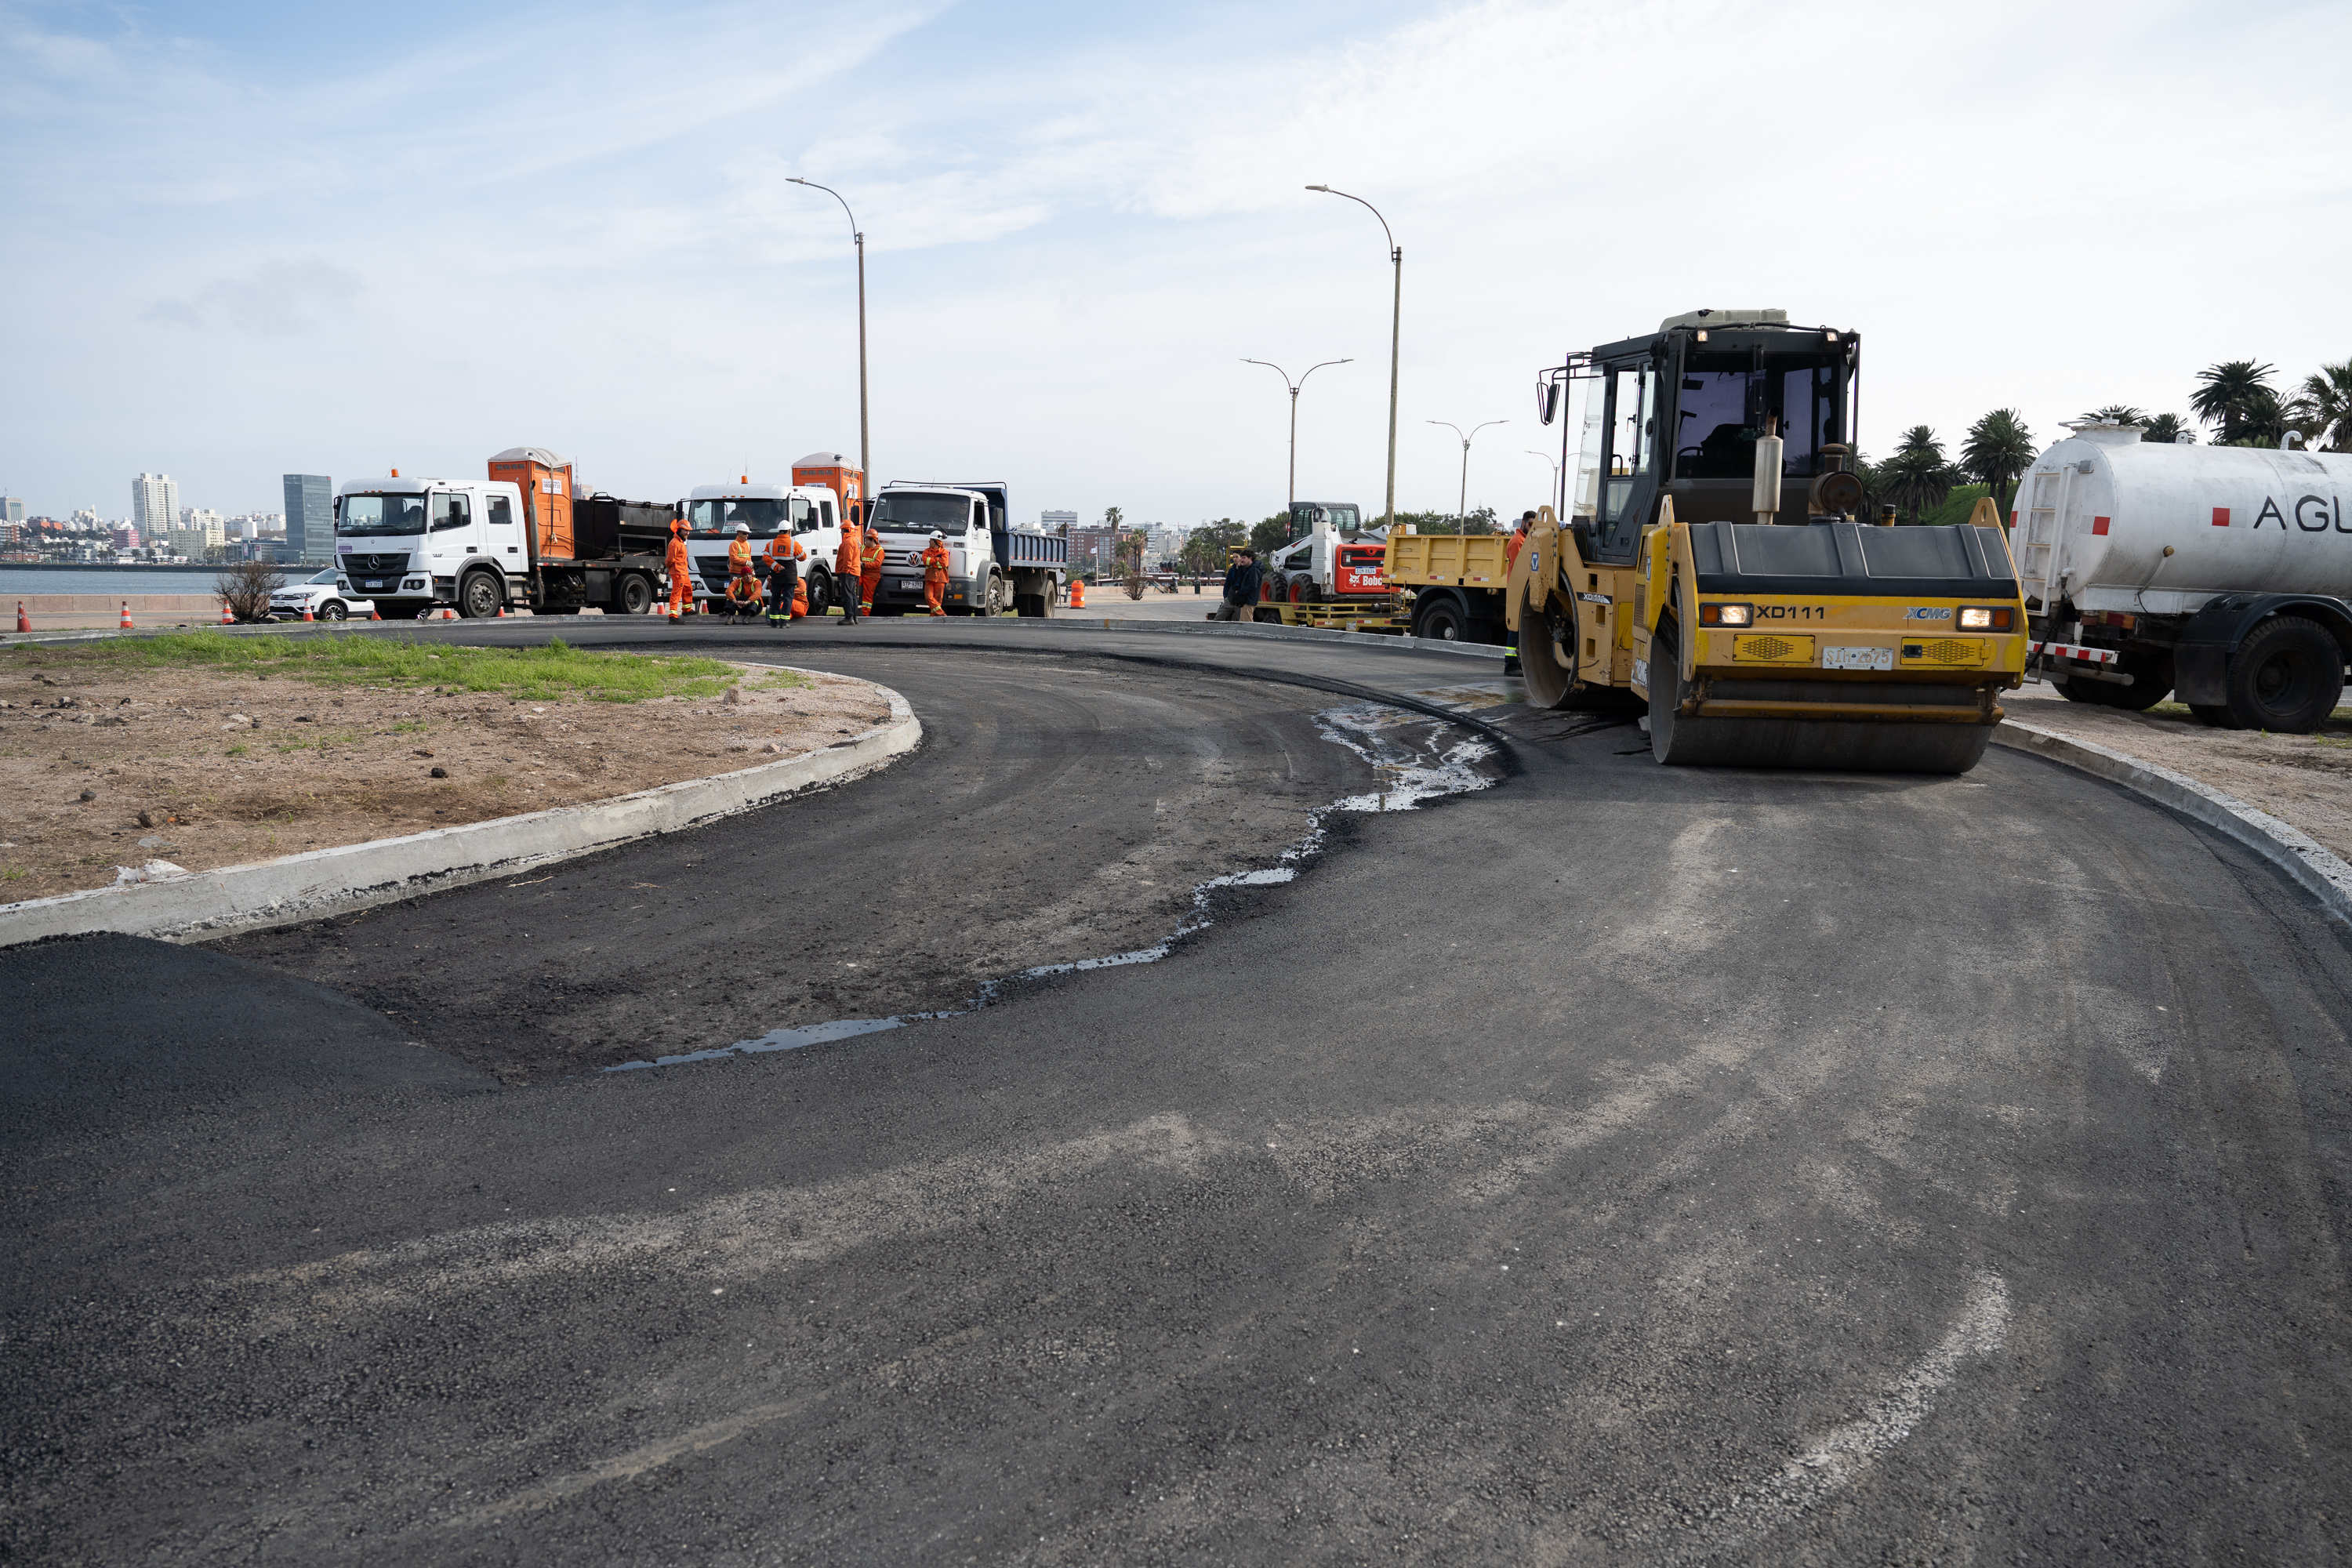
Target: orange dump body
547,492
842,479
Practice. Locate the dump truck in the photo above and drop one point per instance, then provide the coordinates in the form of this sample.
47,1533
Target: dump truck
1457,581
2222,574
1713,566
992,565
524,537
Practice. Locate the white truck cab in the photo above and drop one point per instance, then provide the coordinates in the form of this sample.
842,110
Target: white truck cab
410,544
810,513
992,565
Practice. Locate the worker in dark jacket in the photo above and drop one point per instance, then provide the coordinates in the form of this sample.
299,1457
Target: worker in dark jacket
1243,582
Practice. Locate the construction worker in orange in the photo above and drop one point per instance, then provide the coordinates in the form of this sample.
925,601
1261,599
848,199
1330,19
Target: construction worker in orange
784,585
848,562
935,571
1518,541
680,569
869,568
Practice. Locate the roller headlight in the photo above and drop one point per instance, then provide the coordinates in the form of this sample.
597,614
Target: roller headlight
1727,615
1987,618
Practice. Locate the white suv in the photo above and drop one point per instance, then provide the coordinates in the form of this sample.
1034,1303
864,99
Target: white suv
323,595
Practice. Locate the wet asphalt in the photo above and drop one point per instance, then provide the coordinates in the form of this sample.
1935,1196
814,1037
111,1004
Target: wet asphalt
1613,1164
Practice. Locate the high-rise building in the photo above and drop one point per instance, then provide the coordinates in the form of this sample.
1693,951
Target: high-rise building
12,509
309,517
154,504
1058,521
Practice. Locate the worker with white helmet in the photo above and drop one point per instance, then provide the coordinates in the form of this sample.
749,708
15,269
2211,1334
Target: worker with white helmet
742,586
935,571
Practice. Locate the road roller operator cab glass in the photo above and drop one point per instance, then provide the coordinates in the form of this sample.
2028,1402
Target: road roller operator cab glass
1631,431
450,510
1721,409
1587,504
898,513
360,515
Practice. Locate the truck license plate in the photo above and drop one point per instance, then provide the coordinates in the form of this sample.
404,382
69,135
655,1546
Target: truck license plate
1857,659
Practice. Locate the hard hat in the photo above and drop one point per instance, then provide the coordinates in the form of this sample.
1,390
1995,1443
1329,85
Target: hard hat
937,534
742,528
677,525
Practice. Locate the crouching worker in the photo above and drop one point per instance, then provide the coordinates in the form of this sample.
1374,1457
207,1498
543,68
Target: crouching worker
784,557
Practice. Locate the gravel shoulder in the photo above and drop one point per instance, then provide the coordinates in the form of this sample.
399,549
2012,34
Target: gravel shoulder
102,770
2305,780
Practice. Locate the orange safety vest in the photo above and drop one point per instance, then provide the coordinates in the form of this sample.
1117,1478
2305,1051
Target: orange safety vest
875,554
676,560
783,547
738,557
935,562
852,551
1511,550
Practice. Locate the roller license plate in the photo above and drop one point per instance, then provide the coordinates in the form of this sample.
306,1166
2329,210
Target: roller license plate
1857,659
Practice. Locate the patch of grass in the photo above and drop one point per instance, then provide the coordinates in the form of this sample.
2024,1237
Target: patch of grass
14,874
546,674
780,681
236,751
408,726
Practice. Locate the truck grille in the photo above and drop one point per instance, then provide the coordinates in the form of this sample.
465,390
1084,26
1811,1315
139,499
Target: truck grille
374,566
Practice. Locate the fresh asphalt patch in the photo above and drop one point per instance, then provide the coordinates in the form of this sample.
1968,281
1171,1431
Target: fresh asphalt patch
1663,1164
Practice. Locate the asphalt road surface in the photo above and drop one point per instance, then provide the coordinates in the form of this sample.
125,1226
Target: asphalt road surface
1611,1164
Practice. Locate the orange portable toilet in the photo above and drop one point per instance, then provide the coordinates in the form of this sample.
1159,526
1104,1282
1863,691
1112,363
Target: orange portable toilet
547,486
837,473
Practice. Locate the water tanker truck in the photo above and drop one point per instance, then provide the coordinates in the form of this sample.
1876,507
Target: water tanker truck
2220,573
1711,565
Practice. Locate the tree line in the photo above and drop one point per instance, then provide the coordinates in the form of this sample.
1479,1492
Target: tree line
2236,398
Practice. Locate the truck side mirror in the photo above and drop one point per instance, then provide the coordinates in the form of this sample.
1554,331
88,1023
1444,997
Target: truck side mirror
1546,400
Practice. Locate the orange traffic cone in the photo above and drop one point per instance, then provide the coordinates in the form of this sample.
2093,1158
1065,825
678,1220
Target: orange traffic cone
1077,593
24,621
305,612
374,614
126,614
226,619
502,612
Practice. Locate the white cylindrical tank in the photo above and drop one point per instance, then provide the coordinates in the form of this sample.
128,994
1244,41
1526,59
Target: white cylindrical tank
2095,516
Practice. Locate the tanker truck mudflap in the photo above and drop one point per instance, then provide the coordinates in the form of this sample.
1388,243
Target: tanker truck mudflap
2200,659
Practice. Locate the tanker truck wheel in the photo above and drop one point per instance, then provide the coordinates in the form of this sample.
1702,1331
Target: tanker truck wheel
2288,677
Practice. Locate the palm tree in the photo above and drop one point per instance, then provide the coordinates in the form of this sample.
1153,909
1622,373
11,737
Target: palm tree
2116,414
2167,428
1916,477
2323,409
1998,450
2231,393
2261,421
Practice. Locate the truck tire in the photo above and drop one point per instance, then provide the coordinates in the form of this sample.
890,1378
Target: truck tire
1441,618
1543,632
632,595
2288,676
2151,684
993,602
479,594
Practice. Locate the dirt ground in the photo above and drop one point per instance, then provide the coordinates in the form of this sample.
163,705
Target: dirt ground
2305,780
200,769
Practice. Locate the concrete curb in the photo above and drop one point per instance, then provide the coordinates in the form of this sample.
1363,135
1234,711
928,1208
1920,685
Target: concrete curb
2312,867
198,905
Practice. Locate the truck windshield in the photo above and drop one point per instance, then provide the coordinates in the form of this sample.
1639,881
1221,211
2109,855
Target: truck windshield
380,514
763,515
897,512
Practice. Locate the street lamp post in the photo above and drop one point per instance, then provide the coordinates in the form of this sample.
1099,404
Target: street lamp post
1464,500
1293,499
1549,458
1396,326
864,451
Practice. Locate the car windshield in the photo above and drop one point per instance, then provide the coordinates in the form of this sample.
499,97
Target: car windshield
381,515
328,576
897,512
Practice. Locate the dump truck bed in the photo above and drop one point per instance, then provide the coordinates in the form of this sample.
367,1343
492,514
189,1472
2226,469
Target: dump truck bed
1448,560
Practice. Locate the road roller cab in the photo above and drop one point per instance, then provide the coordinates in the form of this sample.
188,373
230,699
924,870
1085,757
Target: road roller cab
1712,565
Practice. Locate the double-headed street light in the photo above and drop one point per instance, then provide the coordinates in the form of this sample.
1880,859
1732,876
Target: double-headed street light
1549,458
1396,324
865,453
1294,386
1458,506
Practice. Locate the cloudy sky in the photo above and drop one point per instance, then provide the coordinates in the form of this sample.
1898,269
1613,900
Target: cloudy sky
245,238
